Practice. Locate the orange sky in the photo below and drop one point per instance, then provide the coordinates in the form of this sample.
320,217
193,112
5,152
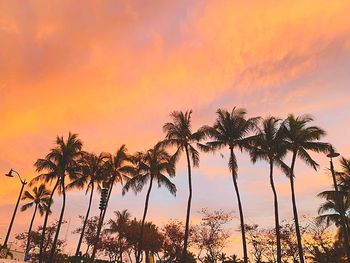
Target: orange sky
113,70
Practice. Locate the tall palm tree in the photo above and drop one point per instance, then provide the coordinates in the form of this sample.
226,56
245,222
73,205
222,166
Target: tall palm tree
93,168
119,170
152,165
179,134
299,139
51,174
268,146
40,198
232,130
61,161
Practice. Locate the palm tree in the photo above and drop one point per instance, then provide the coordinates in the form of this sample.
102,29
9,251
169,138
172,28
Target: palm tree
153,164
40,198
118,169
179,134
299,139
50,175
93,169
232,129
119,226
268,146
331,211
344,175
61,161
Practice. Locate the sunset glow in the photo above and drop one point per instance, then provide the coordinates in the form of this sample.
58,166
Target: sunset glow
112,71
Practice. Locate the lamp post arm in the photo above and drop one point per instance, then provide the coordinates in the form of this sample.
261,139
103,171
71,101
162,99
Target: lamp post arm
19,176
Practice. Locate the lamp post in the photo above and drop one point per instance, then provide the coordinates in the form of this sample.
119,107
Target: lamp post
23,182
103,204
332,154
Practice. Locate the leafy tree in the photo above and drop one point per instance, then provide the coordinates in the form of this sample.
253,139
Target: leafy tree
211,237
321,246
299,139
89,233
40,198
173,233
232,129
35,241
154,164
179,134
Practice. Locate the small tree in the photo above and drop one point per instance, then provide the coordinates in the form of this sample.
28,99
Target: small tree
89,233
211,237
173,233
35,239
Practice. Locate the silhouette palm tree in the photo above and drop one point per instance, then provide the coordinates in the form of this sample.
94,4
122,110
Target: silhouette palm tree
331,211
40,198
268,146
152,165
62,160
232,129
51,175
118,169
93,169
344,175
299,139
119,226
179,134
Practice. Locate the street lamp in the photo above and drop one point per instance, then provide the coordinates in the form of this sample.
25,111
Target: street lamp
23,182
333,154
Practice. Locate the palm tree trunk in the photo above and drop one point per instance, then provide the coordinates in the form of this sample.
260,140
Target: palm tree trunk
100,223
41,253
26,256
187,228
295,211
85,220
277,225
59,224
139,249
244,241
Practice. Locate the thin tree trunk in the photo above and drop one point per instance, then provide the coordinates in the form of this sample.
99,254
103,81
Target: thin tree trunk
187,228
102,216
139,249
26,256
277,225
244,242
59,224
121,251
295,211
41,253
85,220
87,249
